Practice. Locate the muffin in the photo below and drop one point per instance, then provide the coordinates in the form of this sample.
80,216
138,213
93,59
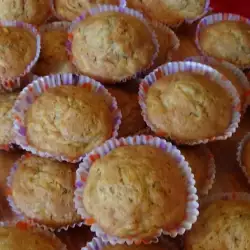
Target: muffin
201,162
71,9
7,101
188,107
134,191
132,120
19,50
43,190
221,225
68,121
227,40
168,11
53,57
29,11
111,46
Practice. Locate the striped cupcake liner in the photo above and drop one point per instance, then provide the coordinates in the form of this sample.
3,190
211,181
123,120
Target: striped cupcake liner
243,81
119,9
175,67
215,18
61,26
82,174
31,29
25,226
41,85
20,214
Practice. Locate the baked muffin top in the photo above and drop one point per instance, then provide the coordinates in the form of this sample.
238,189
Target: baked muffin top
28,11
135,190
168,11
71,9
199,160
53,57
227,40
7,101
68,120
132,120
18,239
18,50
112,46
43,190
188,107
221,225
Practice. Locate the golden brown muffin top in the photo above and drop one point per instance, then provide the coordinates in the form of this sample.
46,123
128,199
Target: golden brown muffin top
43,190
135,190
53,58
227,40
28,11
199,160
169,11
112,46
7,101
17,50
189,107
132,120
68,120
18,239
221,225
71,9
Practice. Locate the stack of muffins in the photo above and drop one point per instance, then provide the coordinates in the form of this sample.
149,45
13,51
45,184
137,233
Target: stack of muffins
69,86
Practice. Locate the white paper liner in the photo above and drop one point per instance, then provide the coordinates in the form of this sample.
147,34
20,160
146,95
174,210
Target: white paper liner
27,226
21,215
243,81
37,88
215,18
32,30
119,9
82,173
174,67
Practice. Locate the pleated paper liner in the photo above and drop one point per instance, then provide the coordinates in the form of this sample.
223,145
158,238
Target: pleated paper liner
82,174
37,88
118,9
192,67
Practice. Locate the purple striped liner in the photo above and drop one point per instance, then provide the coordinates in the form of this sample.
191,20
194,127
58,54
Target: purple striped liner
26,226
192,199
95,244
210,61
37,88
215,18
31,29
119,9
175,67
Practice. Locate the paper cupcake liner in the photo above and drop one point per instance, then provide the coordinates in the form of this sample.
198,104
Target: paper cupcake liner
82,174
61,26
243,81
215,18
174,67
35,33
23,225
119,9
37,88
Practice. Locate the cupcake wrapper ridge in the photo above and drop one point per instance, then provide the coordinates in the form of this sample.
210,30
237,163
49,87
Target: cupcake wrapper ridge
174,67
60,25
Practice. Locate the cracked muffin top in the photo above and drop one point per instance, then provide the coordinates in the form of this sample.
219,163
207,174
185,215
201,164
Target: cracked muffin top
135,191
17,50
221,225
227,40
28,11
168,11
7,101
68,121
53,57
71,9
43,190
111,46
188,107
